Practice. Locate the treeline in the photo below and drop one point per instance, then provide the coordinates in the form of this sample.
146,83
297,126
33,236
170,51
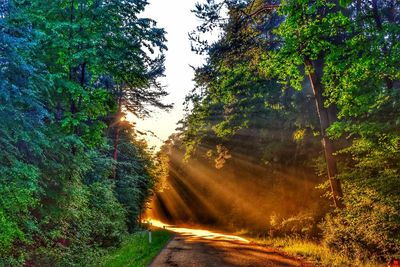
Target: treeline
74,177
299,88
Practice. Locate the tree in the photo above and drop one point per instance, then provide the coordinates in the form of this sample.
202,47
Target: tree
21,138
345,52
134,175
258,17
60,65
310,45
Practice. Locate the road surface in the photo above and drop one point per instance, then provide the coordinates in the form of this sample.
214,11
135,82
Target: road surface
201,248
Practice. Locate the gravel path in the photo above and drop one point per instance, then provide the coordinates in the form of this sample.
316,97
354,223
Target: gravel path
200,248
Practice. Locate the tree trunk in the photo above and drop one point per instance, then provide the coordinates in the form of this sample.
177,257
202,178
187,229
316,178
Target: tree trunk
82,82
326,118
379,26
116,135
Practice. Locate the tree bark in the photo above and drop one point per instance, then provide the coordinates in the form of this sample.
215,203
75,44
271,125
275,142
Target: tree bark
326,118
379,26
116,135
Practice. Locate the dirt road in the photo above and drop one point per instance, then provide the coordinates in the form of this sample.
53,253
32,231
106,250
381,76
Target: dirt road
200,248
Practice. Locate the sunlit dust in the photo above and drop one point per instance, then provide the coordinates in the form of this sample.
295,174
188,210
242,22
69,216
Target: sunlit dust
198,233
242,196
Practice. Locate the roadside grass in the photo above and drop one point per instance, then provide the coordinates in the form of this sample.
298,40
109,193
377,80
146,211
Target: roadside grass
136,251
312,252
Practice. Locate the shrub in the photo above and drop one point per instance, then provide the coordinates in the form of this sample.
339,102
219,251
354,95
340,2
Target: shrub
368,229
302,224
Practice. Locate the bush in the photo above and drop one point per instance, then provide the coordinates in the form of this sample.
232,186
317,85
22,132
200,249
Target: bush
107,218
18,194
86,228
302,225
368,229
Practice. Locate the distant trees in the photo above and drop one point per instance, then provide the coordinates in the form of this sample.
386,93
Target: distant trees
68,72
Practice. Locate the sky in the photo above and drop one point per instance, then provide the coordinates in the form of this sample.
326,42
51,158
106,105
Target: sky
176,18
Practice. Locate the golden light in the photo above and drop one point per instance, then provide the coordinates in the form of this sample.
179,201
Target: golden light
197,233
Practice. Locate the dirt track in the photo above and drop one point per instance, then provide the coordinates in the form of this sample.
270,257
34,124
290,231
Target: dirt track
198,248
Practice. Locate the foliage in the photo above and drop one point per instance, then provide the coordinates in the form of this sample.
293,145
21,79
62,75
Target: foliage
275,64
62,67
282,75
243,193
136,250
21,139
301,225
135,182
247,124
369,227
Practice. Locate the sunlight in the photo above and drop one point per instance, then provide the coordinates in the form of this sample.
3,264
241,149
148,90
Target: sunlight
199,233
220,198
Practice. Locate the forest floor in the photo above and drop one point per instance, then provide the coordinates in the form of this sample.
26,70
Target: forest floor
203,248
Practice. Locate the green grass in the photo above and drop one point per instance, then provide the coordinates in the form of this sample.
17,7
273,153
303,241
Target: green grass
136,250
313,252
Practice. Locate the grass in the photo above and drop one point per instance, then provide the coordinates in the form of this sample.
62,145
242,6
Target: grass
136,250
313,252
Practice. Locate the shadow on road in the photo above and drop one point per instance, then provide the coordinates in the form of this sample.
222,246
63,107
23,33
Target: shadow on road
203,248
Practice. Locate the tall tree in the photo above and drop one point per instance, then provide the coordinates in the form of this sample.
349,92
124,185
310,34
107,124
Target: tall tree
21,138
309,29
346,53
305,46
61,65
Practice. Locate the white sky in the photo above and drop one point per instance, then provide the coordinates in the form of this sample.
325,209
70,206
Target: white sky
175,17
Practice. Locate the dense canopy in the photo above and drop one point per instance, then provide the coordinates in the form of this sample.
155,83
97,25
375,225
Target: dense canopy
291,130
74,177
293,90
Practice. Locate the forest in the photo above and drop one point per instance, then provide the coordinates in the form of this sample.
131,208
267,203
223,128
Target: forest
292,128
74,175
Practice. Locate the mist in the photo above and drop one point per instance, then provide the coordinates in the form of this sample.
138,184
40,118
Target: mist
241,195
